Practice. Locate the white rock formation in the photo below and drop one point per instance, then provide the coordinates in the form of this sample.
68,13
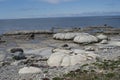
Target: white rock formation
66,36
61,58
27,70
86,38
102,37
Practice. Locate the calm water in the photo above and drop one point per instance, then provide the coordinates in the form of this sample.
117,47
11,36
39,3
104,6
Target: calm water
47,23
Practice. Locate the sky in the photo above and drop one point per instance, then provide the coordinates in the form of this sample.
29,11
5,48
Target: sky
10,9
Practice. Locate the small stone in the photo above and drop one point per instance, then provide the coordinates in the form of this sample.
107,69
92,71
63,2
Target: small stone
90,48
104,42
14,50
65,45
18,56
27,70
2,56
17,63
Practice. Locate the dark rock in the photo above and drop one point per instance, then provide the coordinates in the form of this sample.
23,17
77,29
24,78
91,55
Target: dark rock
17,53
65,45
19,56
14,50
45,79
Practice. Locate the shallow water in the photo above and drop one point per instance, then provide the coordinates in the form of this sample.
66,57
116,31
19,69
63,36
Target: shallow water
48,23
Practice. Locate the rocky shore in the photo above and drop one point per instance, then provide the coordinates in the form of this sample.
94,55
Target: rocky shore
48,55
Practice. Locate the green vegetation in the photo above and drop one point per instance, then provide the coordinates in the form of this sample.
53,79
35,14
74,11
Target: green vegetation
104,70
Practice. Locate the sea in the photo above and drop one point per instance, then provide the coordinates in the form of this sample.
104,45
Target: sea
7,25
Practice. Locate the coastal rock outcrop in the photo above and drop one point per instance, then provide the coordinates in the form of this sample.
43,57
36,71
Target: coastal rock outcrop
62,59
27,70
70,57
85,39
66,36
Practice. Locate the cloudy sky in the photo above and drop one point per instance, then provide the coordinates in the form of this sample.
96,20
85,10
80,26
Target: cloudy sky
57,8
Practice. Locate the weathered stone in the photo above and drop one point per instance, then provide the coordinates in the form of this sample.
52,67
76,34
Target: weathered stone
85,39
71,57
90,48
66,36
104,42
18,56
27,70
14,50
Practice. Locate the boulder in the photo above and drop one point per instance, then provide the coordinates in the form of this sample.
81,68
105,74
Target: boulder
66,36
71,57
85,39
62,59
28,70
102,37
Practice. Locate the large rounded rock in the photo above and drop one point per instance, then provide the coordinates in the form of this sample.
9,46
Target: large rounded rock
85,39
27,70
62,59
71,57
102,37
66,36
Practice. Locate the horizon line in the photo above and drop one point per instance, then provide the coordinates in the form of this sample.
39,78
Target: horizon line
58,17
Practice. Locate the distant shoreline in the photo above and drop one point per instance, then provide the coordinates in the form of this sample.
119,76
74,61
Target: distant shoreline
61,17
